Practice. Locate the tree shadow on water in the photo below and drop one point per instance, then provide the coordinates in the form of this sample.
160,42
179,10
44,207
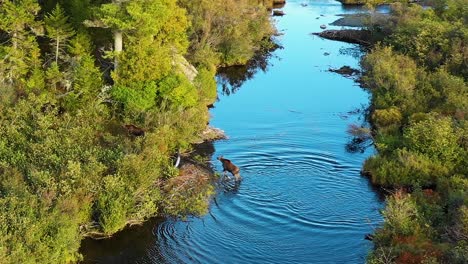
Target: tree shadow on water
232,78
361,134
358,145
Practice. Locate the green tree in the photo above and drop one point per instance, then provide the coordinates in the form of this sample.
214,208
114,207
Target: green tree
86,78
20,62
18,19
162,20
392,78
58,29
226,32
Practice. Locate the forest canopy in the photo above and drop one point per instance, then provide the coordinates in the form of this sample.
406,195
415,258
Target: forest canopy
95,98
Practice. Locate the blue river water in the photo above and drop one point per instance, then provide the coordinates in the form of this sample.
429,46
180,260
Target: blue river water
302,199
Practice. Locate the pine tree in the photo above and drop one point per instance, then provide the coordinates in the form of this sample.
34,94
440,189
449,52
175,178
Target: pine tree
86,77
58,29
18,19
20,63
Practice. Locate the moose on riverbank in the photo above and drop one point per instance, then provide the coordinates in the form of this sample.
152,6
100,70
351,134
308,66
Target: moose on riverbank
229,166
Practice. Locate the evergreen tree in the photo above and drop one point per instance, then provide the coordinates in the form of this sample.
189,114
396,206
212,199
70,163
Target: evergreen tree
86,77
162,21
20,63
58,29
18,19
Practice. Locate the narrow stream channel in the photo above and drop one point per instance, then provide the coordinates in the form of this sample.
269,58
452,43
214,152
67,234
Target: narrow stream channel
302,199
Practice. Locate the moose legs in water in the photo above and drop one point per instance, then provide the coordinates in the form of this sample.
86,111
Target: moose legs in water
229,166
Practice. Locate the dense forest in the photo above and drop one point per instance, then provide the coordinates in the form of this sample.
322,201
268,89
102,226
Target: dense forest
95,98
417,75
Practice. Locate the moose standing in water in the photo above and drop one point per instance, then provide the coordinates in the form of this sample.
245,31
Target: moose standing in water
229,166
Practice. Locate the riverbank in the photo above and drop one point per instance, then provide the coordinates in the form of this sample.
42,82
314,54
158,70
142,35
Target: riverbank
419,131
96,100
288,136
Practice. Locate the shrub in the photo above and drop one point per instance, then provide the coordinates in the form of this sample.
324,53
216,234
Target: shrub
389,119
401,215
112,205
434,137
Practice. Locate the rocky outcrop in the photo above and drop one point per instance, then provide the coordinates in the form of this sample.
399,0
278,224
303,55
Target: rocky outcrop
185,67
345,71
278,13
277,3
353,2
362,37
212,134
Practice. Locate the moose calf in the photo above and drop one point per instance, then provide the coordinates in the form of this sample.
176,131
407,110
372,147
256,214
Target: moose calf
229,166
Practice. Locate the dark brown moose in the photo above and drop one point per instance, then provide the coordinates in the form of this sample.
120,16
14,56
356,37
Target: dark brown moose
135,131
229,166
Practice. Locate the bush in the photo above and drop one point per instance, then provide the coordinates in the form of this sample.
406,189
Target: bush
206,84
401,215
112,205
388,119
393,78
405,168
434,137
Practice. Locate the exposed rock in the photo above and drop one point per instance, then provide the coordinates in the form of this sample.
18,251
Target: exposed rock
352,2
278,3
345,70
323,26
361,37
187,69
278,13
212,133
